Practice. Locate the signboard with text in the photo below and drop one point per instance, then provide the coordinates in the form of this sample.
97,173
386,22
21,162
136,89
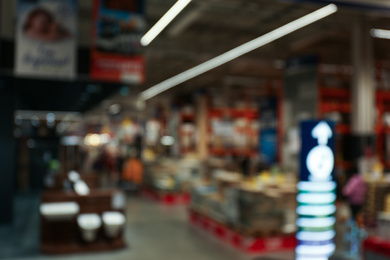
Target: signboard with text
316,192
116,53
46,38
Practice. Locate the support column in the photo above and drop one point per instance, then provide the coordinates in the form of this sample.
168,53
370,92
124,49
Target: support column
7,154
201,124
363,90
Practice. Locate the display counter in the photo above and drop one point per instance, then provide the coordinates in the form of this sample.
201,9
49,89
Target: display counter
71,223
259,215
166,197
239,239
376,248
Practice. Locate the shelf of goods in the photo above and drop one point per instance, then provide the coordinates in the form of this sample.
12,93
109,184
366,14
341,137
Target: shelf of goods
233,131
169,181
335,104
382,127
187,130
375,200
248,214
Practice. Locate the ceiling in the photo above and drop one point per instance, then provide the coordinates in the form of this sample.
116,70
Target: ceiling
207,28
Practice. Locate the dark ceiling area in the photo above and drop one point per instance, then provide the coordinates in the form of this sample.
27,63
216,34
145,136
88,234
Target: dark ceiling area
204,30
77,95
58,95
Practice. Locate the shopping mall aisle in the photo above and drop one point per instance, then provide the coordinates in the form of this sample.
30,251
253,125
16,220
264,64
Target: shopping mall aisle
162,232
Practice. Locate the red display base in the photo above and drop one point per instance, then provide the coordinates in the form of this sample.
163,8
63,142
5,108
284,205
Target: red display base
249,245
378,246
168,198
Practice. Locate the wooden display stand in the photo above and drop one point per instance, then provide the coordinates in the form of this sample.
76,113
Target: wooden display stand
165,197
240,241
64,237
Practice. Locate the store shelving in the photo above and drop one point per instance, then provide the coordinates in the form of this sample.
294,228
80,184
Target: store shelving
335,97
249,115
381,128
187,131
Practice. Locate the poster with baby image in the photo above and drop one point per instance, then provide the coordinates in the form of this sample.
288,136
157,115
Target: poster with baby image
46,38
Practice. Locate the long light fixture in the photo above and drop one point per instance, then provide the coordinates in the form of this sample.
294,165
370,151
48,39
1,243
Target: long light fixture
164,21
380,33
239,51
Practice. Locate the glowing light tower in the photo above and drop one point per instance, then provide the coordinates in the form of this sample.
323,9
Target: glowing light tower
316,192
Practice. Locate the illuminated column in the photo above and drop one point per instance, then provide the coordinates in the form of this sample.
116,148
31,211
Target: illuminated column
316,192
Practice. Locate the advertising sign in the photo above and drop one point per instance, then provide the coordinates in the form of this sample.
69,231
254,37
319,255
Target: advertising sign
316,192
268,149
268,145
116,53
46,38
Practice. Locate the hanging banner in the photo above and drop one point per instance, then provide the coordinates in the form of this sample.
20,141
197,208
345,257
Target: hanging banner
116,53
46,38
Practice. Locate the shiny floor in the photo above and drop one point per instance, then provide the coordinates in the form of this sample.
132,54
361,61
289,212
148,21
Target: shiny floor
153,232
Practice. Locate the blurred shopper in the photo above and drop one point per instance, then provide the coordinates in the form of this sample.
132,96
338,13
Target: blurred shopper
245,166
355,191
132,174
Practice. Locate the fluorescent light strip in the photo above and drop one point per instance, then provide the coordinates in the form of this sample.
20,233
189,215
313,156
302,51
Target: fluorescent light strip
316,236
316,210
239,51
164,21
319,198
379,33
325,250
316,187
316,222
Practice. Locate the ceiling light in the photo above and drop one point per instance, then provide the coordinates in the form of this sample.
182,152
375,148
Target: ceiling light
164,21
239,51
379,33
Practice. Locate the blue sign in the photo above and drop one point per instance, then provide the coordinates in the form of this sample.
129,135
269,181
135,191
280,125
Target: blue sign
317,149
316,192
268,145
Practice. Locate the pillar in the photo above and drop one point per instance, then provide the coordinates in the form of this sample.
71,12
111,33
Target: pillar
201,124
363,91
7,154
